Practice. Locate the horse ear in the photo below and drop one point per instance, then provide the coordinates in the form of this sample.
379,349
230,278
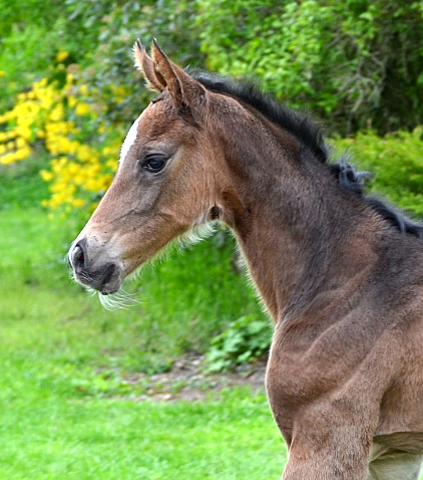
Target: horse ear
185,91
145,65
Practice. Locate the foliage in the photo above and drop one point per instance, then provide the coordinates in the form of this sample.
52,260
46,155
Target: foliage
32,36
82,105
59,113
24,57
20,14
395,162
339,59
342,60
110,64
245,339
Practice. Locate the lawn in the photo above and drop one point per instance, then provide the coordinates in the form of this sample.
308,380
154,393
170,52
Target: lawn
67,411
49,433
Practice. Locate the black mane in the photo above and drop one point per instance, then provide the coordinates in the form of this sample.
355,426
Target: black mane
354,182
297,123
309,134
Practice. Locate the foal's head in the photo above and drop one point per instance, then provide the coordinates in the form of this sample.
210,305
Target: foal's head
165,184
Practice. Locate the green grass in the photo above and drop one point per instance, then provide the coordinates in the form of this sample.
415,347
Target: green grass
66,410
56,436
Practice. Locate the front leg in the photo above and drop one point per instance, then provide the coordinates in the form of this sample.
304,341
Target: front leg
328,431
321,450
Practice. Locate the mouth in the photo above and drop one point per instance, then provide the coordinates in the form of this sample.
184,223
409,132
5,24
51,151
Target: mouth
106,279
90,271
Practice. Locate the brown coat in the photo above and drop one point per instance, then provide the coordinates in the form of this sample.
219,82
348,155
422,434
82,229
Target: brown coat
341,281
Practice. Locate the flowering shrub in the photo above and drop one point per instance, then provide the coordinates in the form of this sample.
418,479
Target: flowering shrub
62,116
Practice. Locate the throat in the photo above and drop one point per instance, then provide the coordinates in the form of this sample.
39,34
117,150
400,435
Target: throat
277,270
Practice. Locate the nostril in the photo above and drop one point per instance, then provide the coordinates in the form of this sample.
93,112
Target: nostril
78,256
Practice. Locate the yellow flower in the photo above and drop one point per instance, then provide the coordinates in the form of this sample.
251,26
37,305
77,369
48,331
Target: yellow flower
23,131
78,202
20,143
8,158
22,153
78,168
46,175
83,90
82,109
119,90
57,113
61,56
112,164
72,101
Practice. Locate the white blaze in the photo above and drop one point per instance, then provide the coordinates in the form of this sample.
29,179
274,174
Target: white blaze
130,138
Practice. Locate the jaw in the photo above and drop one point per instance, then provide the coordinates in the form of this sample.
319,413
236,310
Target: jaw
109,249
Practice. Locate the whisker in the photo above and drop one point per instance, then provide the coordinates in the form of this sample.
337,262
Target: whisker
119,300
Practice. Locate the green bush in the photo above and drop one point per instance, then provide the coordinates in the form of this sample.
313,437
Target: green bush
25,55
342,60
110,63
245,339
20,14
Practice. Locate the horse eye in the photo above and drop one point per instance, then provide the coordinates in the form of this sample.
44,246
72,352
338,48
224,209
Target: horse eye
154,164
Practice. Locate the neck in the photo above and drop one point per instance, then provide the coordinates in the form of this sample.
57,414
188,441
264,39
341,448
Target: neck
294,224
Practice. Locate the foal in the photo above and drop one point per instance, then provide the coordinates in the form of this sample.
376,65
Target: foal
341,275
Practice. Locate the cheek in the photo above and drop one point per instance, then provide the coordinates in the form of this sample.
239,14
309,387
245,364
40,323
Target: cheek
182,194
188,201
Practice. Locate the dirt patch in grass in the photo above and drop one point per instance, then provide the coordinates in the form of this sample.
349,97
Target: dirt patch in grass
186,380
